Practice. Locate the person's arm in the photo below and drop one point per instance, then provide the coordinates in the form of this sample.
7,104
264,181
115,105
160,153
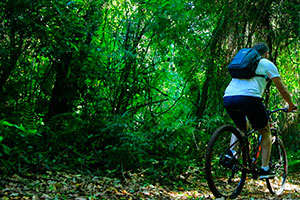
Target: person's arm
284,92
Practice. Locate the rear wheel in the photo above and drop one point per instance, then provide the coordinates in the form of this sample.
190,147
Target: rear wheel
225,177
278,162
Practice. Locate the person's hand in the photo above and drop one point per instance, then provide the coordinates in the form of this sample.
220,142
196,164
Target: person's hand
292,107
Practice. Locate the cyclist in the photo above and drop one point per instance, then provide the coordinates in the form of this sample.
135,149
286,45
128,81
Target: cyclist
242,99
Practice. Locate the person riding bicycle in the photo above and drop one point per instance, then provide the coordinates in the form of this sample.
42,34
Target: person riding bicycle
242,99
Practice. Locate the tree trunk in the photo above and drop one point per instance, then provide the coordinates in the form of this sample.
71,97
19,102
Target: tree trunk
216,38
61,98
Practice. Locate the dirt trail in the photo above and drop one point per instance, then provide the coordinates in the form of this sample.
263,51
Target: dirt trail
80,187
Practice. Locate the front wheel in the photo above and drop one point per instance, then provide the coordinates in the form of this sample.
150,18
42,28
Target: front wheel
278,162
224,174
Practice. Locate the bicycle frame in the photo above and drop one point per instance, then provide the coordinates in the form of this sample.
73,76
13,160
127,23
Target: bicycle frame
229,165
252,161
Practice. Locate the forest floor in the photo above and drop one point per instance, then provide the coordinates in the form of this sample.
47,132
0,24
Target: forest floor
134,186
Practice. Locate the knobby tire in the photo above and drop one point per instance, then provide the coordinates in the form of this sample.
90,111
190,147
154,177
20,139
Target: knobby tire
279,163
218,175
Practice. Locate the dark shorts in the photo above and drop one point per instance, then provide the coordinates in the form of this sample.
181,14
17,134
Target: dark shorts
240,107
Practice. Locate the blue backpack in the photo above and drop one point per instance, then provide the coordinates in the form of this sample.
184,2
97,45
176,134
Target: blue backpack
244,64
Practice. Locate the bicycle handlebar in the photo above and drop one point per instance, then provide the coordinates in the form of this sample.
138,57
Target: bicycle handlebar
280,109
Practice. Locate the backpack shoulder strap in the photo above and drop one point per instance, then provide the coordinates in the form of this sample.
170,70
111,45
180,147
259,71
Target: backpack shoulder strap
260,75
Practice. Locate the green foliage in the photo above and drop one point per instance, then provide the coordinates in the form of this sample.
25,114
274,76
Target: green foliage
18,144
109,86
294,160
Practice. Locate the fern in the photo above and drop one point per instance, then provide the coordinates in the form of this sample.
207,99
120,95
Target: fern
28,115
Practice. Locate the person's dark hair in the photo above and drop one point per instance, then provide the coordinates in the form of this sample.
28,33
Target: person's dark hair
261,48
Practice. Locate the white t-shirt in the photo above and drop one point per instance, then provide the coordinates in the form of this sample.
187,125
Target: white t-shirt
255,86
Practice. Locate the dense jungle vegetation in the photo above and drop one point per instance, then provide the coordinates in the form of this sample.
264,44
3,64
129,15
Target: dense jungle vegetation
106,87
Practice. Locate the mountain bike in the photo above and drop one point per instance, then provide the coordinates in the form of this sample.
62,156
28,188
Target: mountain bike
226,175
